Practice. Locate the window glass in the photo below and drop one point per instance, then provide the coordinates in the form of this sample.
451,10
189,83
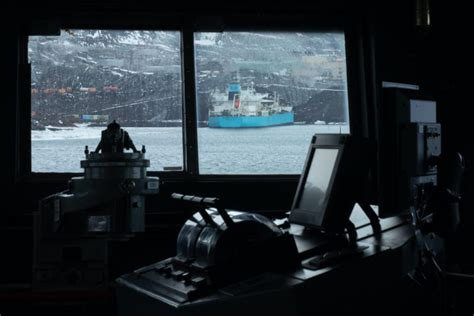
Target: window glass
84,79
261,96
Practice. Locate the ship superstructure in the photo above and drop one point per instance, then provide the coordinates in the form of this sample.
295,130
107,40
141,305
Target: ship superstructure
240,108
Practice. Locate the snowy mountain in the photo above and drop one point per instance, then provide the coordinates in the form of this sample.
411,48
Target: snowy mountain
135,76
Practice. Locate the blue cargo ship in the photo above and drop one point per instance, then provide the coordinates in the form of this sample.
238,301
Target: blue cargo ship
244,108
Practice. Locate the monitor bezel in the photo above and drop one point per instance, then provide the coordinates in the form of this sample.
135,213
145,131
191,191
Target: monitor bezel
295,210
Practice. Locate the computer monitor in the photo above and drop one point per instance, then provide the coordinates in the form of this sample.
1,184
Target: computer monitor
335,168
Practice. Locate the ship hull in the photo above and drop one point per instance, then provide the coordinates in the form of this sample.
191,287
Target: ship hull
251,121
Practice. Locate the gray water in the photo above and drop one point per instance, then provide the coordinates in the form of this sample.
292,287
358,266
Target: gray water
272,150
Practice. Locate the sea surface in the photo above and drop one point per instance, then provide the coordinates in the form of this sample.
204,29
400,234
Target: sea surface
269,150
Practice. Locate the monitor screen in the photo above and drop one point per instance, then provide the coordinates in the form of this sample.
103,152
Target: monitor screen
316,188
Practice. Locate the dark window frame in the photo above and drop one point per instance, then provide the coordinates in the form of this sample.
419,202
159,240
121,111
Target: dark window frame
187,24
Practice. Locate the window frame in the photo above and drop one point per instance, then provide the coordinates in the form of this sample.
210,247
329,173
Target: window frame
187,24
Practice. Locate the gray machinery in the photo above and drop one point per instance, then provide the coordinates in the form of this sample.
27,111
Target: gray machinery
415,177
216,247
410,149
72,228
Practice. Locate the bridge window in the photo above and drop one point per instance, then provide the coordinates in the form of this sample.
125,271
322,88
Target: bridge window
83,79
262,95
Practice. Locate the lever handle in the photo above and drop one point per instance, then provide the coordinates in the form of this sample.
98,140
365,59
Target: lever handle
206,201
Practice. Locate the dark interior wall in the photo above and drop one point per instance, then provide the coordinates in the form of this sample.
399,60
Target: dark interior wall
449,64
436,58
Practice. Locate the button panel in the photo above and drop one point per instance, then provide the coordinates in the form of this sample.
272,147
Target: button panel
176,274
